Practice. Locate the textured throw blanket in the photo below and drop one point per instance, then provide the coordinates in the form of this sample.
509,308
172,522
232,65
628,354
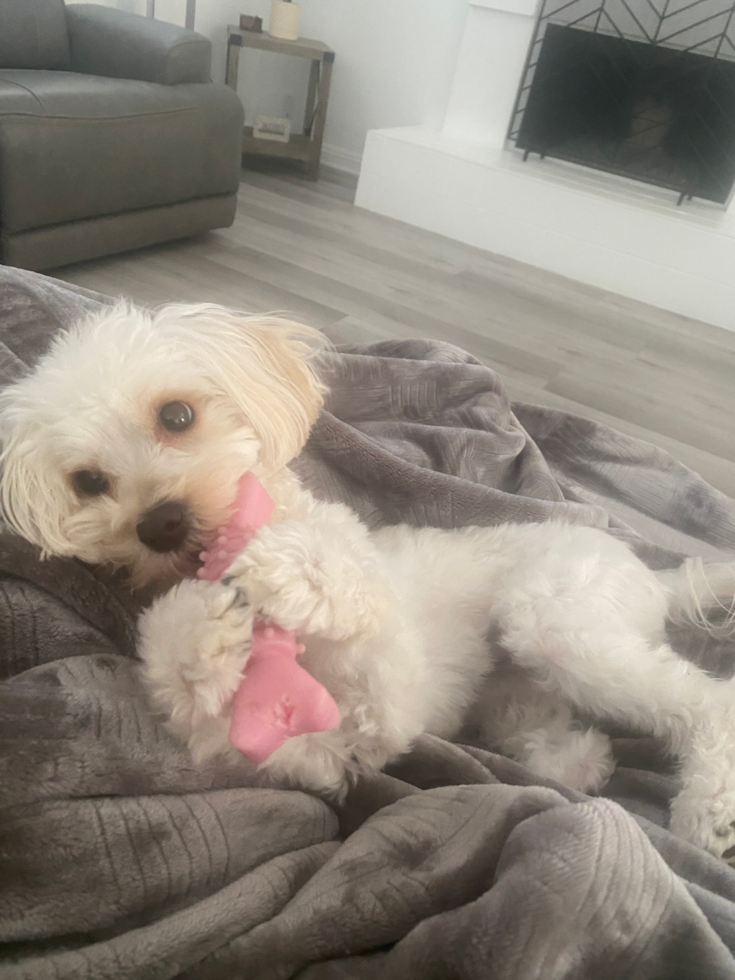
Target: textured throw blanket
119,858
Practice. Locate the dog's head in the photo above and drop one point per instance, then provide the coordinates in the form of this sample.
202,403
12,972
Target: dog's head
125,444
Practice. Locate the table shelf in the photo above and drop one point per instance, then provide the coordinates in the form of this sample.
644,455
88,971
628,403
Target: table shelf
306,147
299,147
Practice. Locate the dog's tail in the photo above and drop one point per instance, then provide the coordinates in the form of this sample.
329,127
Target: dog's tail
703,594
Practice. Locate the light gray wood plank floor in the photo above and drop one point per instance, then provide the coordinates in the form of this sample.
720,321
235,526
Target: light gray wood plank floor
305,249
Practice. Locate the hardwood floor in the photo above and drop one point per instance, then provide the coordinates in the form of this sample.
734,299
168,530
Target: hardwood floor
305,249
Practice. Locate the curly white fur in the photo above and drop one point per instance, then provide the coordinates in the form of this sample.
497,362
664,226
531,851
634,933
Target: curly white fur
514,628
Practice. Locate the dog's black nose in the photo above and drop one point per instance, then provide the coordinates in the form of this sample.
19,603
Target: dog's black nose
164,527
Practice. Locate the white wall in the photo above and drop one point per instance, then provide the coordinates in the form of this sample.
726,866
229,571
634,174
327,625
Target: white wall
394,62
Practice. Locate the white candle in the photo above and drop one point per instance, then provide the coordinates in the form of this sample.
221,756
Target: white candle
285,20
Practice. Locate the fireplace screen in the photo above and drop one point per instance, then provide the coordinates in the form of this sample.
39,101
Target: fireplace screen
643,88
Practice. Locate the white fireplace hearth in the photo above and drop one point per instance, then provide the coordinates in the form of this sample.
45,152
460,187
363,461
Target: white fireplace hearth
612,232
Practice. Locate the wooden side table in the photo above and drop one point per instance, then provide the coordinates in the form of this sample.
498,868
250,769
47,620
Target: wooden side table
306,147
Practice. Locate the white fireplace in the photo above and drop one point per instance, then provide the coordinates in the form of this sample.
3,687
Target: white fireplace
463,181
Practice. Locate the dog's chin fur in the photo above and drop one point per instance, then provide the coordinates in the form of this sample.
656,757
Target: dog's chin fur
395,622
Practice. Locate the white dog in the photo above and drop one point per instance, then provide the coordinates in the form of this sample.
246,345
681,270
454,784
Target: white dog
124,446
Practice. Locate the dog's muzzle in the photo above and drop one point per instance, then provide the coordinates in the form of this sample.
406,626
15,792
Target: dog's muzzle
164,527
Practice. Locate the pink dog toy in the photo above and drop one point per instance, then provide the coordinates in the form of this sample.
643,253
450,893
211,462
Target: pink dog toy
276,698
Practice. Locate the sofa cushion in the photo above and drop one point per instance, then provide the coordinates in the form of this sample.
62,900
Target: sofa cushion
33,34
78,146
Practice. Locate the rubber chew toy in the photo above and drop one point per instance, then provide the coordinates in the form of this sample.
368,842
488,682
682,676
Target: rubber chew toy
276,698
252,509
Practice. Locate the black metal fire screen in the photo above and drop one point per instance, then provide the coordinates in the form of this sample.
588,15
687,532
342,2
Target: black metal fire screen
642,88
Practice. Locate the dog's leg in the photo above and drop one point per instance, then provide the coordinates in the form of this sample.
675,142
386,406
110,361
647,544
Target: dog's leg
194,644
317,576
519,718
621,675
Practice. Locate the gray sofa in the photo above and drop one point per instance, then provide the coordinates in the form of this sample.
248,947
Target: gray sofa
111,134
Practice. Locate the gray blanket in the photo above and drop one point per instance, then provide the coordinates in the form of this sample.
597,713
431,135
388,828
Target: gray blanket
119,858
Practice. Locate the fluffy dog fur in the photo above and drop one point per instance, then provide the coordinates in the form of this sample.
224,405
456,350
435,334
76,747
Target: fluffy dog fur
515,628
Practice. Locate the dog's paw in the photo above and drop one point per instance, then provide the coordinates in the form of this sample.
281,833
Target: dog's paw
588,761
318,762
306,581
705,815
581,760
195,642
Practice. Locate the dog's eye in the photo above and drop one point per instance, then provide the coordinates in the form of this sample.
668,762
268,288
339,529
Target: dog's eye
89,483
176,416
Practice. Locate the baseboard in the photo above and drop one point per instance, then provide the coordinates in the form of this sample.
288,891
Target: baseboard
339,159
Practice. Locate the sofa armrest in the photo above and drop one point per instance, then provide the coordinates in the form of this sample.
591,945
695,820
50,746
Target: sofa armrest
110,42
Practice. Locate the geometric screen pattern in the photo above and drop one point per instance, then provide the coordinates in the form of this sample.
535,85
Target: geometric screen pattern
640,88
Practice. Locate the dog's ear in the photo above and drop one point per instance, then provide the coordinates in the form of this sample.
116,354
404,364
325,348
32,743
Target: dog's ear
263,365
33,498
